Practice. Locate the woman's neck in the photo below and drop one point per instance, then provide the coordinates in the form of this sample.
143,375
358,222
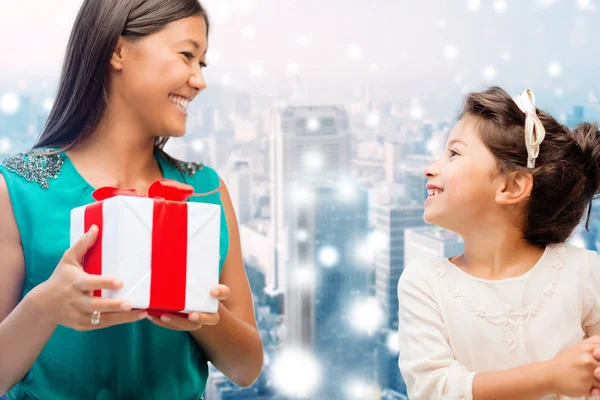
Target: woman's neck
118,153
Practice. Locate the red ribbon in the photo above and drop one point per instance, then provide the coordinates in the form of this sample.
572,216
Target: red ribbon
169,240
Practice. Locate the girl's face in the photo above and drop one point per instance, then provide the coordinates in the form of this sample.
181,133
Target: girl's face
461,184
161,75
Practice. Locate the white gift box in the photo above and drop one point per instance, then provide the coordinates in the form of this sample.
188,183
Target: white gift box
127,250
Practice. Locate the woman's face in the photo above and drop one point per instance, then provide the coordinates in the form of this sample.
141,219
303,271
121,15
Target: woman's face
161,74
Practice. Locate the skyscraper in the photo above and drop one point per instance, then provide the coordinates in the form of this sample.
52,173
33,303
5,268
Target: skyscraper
431,242
240,191
391,222
220,388
306,142
576,116
327,281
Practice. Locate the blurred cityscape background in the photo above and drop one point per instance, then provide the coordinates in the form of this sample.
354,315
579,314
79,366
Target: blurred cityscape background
320,115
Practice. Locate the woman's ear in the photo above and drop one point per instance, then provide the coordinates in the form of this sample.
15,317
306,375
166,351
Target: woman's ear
117,60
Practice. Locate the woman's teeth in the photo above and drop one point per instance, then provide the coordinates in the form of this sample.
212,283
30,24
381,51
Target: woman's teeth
181,102
434,192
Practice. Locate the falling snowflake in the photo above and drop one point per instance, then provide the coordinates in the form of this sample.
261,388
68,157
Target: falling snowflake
474,5
355,52
546,3
48,104
356,389
296,373
450,52
256,70
373,119
554,69
198,145
10,103
328,256
392,342
5,145
365,254
500,6
304,277
303,195
416,112
489,72
584,4
302,235
346,189
313,124
367,315
301,40
313,161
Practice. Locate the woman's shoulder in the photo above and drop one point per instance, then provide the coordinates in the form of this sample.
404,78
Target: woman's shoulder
195,173
38,166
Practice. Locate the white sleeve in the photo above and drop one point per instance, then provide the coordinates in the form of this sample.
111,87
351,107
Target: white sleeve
426,360
591,295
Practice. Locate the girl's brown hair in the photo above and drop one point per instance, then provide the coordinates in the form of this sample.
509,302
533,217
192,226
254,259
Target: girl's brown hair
566,176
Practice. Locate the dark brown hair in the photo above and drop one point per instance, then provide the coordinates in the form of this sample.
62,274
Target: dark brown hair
81,98
566,176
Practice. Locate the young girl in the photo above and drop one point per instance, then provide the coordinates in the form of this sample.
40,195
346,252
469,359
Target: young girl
514,317
131,69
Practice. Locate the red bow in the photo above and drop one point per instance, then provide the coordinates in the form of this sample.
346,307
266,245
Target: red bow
165,188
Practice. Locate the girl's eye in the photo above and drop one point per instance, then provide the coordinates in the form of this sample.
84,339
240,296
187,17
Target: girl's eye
188,55
453,153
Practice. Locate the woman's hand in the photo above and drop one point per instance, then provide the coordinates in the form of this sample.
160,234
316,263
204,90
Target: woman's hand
68,293
195,320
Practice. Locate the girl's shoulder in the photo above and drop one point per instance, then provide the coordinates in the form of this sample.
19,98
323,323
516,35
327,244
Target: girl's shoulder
420,270
581,260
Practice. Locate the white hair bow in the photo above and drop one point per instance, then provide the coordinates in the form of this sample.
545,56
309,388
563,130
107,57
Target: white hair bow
534,129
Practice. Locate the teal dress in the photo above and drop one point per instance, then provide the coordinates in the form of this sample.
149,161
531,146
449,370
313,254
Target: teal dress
138,360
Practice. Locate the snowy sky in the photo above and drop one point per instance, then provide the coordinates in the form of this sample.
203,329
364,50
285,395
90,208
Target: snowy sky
430,49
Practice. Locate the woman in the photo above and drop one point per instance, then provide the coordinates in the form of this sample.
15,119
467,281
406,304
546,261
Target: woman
131,69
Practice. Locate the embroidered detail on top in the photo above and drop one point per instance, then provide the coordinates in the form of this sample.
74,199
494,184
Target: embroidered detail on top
508,320
35,167
191,167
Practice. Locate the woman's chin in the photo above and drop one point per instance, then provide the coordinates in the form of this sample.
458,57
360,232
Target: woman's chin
175,133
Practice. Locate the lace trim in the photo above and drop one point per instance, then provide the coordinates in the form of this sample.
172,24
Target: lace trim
508,320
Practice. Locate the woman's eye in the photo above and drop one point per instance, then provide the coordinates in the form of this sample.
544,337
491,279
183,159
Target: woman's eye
188,55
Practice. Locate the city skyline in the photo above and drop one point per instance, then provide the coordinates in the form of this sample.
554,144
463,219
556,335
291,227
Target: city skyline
321,117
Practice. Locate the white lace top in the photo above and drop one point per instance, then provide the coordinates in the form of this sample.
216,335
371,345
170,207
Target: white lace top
453,325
